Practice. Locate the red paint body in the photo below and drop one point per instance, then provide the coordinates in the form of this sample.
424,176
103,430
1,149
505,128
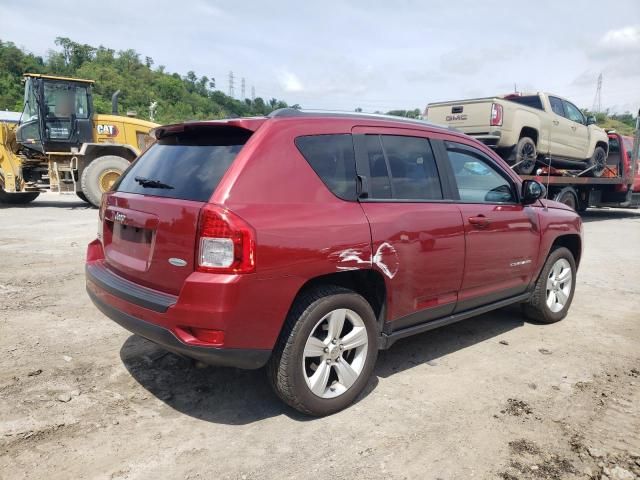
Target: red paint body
430,255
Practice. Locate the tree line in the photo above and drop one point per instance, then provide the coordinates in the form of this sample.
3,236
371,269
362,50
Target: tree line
179,98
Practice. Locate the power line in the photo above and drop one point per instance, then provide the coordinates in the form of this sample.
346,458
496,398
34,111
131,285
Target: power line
253,93
242,97
231,91
597,101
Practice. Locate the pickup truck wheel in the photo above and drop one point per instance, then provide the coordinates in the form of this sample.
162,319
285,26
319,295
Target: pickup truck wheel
524,155
567,197
554,288
326,351
100,175
598,161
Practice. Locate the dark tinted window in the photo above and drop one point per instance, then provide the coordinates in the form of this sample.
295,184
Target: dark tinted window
189,164
332,158
532,101
379,182
556,106
478,180
614,145
414,175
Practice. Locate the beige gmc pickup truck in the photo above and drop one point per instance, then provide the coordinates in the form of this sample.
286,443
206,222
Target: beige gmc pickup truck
529,129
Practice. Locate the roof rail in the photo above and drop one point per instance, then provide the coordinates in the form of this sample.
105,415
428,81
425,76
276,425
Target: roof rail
294,112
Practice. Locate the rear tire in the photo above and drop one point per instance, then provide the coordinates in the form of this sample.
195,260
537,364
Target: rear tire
308,369
599,161
554,288
100,175
19,198
82,197
525,152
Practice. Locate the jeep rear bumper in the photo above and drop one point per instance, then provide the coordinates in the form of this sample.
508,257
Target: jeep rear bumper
224,357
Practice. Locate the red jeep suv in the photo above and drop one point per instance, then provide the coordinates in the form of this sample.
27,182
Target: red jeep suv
308,241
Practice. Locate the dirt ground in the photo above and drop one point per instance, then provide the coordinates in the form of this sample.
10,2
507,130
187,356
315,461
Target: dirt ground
491,397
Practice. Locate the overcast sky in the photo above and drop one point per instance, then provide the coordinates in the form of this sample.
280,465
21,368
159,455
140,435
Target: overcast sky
373,55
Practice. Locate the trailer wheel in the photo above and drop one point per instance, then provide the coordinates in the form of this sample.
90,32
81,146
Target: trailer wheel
524,154
18,198
598,161
82,197
568,197
100,175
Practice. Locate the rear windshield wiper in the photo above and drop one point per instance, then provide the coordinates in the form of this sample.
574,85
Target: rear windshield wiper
150,183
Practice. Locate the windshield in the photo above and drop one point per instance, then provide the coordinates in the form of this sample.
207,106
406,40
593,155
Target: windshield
65,100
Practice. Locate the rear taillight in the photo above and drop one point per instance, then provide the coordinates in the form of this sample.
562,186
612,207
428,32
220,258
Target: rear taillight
496,115
103,208
226,243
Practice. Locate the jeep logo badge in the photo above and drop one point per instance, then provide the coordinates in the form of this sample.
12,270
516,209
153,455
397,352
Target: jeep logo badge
120,217
177,262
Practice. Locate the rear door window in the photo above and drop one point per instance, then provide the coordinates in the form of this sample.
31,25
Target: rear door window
186,165
402,168
556,106
333,160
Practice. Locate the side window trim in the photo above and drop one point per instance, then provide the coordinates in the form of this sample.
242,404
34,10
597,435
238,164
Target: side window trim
485,158
447,178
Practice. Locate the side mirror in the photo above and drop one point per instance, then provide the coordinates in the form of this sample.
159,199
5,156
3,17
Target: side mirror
591,121
532,191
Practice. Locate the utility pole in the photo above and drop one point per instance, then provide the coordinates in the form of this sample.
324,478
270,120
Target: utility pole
597,101
253,93
242,97
231,92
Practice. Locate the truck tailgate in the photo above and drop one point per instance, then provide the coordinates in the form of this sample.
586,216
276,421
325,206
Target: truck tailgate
467,115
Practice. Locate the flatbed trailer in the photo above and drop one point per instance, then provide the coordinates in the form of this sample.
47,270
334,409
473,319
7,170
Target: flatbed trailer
618,187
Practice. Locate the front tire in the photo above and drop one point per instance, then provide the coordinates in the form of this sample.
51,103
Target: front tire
598,161
100,175
554,288
326,351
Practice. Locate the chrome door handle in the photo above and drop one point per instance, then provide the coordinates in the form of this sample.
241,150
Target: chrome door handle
556,122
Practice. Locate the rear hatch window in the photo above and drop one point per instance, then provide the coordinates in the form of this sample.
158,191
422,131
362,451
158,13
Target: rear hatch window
150,224
187,165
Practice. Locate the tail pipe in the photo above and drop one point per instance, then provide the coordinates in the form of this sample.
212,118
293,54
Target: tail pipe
114,102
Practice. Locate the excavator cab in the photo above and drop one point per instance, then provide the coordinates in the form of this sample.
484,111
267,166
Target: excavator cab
57,114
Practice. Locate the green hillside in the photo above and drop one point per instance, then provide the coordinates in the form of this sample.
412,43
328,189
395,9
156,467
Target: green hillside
179,98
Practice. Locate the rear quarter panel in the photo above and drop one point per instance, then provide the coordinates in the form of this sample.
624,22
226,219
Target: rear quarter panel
303,230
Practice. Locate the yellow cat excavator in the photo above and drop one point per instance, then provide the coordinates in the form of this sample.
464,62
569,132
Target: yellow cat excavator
61,145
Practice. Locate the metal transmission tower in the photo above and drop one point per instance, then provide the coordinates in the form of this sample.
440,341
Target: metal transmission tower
242,97
253,93
231,91
597,101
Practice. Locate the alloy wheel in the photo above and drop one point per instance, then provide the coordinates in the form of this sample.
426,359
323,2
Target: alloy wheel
559,284
335,353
